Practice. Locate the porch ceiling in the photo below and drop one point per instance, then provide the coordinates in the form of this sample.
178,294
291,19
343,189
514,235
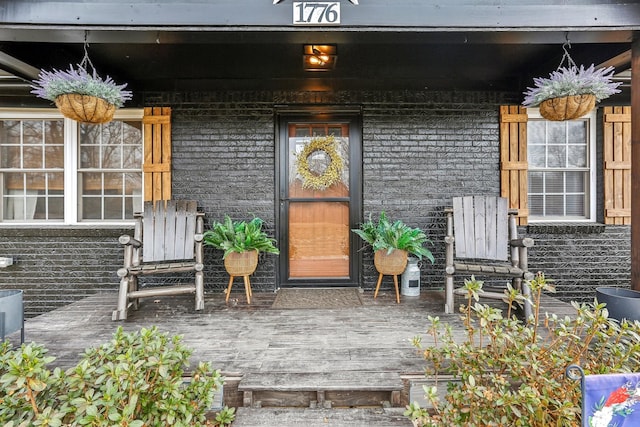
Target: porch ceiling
159,59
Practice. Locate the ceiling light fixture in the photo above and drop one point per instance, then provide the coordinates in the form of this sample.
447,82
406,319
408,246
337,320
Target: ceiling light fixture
318,57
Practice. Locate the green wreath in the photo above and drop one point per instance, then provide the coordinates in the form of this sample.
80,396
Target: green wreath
331,175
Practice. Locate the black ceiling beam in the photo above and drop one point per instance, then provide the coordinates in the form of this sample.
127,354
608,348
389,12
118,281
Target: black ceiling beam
452,14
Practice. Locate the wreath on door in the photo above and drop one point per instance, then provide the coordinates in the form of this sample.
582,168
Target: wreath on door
331,174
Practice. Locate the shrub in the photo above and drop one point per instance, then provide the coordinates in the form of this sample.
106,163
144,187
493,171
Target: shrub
509,372
135,380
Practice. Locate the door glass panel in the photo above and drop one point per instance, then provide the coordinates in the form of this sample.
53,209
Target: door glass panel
318,215
319,240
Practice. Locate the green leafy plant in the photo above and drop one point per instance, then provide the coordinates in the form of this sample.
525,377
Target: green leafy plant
239,236
388,235
226,416
511,372
135,380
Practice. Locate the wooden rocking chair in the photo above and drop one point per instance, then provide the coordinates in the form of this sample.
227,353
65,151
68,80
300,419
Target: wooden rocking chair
167,239
486,243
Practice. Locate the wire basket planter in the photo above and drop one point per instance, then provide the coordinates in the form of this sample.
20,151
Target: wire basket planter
241,263
85,108
393,263
570,91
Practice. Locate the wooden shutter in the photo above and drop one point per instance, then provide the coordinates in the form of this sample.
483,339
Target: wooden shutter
617,165
513,159
157,153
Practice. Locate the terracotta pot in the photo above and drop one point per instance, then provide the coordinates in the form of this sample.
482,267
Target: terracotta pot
241,263
85,108
390,264
567,107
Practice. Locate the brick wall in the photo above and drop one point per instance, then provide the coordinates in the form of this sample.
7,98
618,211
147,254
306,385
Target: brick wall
419,150
56,266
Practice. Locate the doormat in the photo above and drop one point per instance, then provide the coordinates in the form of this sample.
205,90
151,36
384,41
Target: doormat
317,298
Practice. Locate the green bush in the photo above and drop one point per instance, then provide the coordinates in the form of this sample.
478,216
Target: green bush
508,372
135,380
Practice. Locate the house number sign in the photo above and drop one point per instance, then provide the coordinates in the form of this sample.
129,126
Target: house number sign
316,13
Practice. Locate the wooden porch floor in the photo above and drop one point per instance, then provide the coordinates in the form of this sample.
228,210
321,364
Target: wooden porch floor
258,343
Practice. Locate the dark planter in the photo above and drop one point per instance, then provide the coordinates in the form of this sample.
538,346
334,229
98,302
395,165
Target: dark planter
622,303
11,313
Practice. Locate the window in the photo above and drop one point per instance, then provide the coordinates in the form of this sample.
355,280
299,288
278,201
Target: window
54,169
561,176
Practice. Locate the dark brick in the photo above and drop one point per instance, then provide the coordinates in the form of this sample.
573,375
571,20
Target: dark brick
419,150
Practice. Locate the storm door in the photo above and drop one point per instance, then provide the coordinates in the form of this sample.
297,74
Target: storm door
319,187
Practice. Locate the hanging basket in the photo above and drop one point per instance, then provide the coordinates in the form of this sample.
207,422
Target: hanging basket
567,107
241,263
85,108
390,264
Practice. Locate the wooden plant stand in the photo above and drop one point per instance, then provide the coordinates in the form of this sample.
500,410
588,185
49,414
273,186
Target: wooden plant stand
241,264
391,264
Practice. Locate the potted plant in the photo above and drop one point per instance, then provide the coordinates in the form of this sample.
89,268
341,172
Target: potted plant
241,242
392,242
81,95
570,92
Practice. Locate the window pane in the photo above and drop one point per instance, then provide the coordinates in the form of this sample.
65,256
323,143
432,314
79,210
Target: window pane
36,181
302,131
90,156
557,133
132,132
54,132
132,157
133,184
54,156
554,182
111,157
536,205
577,131
10,156
89,134
577,156
575,205
536,182
32,164
13,181
10,131
32,132
113,208
536,132
56,208
554,205
91,183
536,156
113,183
576,182
115,149
556,156
558,176
32,157
91,208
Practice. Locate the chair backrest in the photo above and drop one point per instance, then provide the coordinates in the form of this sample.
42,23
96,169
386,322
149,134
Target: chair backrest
481,227
168,230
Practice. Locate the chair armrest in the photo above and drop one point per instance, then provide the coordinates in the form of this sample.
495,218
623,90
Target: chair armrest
525,242
125,239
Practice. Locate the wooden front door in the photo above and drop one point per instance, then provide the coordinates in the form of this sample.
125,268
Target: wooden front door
319,187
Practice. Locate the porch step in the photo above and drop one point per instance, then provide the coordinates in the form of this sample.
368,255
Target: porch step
322,390
345,417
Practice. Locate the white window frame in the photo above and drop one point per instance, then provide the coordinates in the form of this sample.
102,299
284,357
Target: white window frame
590,191
71,147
